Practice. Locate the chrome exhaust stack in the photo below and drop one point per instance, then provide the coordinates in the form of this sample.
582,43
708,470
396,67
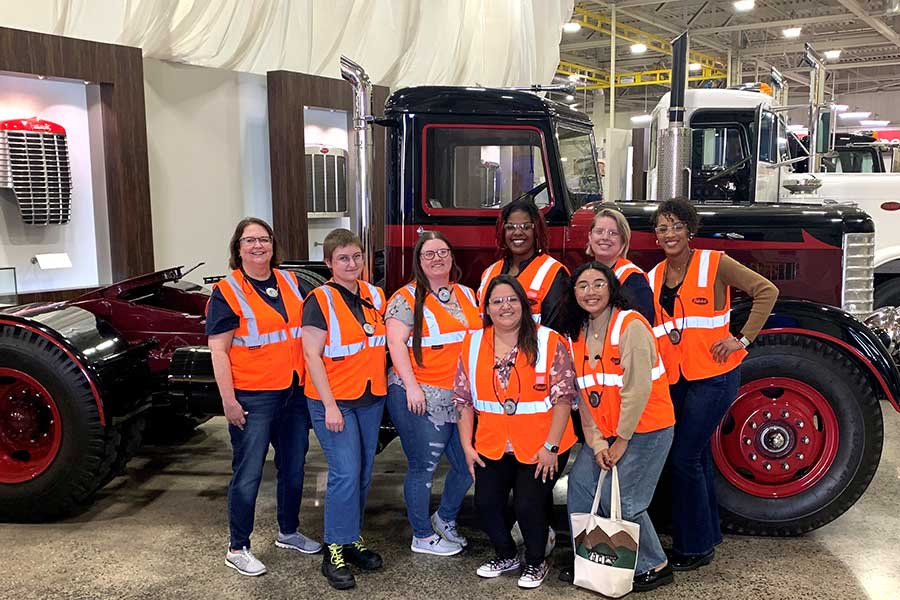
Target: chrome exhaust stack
361,156
674,143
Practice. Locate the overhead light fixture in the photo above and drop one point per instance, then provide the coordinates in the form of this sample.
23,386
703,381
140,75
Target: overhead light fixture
839,108
792,32
832,54
641,119
855,115
873,123
694,67
569,97
571,27
574,77
638,48
744,5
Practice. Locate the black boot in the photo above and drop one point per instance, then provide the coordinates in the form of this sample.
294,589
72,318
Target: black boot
335,568
653,579
358,554
681,562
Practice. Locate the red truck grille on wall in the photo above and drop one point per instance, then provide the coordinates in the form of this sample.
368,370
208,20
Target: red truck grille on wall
34,163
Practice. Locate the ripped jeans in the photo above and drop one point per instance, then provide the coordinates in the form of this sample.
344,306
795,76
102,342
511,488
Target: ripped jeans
424,443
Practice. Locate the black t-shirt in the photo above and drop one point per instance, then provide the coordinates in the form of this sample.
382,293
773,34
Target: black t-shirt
552,305
637,291
219,316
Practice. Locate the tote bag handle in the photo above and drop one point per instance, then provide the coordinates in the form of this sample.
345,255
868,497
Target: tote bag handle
615,503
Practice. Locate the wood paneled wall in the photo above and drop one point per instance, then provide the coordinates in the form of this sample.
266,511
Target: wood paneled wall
119,71
288,93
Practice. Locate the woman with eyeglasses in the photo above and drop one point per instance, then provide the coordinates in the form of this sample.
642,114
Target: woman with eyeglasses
253,327
625,409
517,376
346,385
426,323
608,243
522,238
692,297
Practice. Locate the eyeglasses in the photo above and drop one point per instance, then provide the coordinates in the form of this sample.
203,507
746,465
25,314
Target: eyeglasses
501,300
584,286
430,254
346,259
664,229
515,226
600,232
265,240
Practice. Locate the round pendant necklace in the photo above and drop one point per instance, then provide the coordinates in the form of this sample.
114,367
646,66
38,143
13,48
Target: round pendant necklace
443,294
272,292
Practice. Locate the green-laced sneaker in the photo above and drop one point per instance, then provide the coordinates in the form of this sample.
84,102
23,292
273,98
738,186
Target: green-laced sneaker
335,569
358,554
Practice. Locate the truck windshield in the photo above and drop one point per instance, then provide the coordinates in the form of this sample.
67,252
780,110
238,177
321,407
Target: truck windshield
576,151
483,167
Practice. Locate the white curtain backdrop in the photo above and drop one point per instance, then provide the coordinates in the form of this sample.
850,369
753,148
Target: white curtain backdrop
399,42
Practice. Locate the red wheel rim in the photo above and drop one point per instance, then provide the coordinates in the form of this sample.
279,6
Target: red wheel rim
30,427
779,438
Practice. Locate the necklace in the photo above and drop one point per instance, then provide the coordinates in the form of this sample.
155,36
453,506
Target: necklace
680,270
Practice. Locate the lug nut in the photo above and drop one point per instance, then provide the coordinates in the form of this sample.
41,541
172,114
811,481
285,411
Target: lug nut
753,456
748,441
767,466
767,415
785,466
753,425
804,439
785,414
799,455
800,424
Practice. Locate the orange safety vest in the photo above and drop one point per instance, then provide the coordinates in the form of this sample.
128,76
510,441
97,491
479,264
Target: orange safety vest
536,278
624,269
353,360
442,335
265,351
605,380
528,427
696,318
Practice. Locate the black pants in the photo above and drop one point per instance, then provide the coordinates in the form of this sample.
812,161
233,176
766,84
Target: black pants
493,483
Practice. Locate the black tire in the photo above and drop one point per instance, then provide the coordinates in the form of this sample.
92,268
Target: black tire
887,293
848,392
308,280
87,448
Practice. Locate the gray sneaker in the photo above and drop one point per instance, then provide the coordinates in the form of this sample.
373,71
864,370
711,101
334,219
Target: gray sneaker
244,562
435,545
299,542
448,530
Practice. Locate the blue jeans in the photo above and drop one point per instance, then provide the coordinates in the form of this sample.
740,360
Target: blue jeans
282,419
424,443
350,455
639,470
699,407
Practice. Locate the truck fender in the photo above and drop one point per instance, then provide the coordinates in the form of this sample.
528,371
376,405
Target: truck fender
838,329
885,257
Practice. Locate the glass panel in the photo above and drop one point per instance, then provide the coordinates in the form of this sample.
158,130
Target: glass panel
8,291
768,149
716,148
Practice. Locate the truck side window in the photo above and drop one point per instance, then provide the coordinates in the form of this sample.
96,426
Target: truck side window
768,143
576,150
716,147
478,168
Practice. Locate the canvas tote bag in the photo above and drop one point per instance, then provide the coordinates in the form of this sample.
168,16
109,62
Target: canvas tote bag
605,549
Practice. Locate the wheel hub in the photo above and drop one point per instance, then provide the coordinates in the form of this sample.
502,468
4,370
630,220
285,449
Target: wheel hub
779,438
30,432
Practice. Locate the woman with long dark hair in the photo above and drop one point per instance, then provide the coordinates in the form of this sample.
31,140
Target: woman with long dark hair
427,320
517,376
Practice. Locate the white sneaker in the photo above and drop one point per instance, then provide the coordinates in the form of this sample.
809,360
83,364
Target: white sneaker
299,542
516,533
498,566
533,576
244,562
435,545
448,530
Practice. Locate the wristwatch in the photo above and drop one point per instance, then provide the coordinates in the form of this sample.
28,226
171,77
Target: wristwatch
744,341
551,447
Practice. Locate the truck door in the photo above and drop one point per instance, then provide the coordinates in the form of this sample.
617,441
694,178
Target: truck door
766,157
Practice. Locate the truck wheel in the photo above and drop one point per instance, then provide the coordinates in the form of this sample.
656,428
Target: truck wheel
887,293
308,280
54,452
802,441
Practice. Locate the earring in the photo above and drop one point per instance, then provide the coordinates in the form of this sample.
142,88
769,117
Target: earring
657,242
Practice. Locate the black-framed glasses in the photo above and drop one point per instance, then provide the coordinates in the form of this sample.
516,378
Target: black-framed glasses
250,240
431,254
664,229
518,226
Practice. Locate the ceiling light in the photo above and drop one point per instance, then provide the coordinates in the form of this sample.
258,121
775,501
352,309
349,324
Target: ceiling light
792,32
873,123
641,119
571,27
638,48
839,108
569,97
744,5
573,77
855,115
832,54
694,67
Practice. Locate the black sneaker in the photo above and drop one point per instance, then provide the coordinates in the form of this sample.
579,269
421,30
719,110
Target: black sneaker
358,554
653,579
335,568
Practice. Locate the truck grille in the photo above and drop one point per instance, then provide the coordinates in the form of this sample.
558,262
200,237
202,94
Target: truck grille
858,290
34,162
326,185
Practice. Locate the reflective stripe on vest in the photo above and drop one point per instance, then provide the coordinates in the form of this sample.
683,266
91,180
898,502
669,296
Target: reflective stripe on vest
254,339
439,339
683,323
334,349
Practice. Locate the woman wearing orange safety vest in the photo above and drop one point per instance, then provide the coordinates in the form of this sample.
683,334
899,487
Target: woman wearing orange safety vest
608,243
692,294
344,347
625,410
253,323
522,237
426,323
518,377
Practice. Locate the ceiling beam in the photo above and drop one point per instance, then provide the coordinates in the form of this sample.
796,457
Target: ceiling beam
836,42
662,25
873,22
774,24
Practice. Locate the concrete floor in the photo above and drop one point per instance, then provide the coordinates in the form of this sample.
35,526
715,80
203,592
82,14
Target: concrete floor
160,532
